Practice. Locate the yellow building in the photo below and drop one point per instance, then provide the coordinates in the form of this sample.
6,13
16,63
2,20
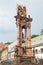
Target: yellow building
4,55
3,51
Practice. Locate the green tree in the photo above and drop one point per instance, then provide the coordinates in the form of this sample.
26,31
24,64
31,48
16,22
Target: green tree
8,43
33,36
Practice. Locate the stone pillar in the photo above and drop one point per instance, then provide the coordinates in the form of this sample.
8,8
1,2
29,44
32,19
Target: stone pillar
19,29
19,40
28,41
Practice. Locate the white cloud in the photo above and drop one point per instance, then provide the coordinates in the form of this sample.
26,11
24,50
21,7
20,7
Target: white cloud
8,11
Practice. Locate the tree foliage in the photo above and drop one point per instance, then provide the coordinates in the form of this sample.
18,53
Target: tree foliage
8,43
33,36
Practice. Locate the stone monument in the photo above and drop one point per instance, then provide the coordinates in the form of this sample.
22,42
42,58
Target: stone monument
23,48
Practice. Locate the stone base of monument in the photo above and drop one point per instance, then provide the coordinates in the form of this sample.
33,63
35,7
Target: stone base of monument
26,61
19,59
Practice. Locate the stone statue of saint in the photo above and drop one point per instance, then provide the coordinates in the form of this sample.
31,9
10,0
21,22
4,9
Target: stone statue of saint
21,10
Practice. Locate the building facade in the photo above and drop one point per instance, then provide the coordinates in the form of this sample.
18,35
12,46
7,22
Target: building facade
4,55
37,45
3,51
11,50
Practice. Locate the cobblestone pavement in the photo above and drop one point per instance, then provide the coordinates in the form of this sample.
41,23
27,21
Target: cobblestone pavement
7,62
11,62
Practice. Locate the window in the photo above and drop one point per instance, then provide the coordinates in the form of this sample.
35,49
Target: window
36,51
41,50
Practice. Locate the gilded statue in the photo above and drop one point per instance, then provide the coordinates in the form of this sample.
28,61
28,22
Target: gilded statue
21,10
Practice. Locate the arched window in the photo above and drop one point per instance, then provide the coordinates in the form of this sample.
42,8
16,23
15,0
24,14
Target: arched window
41,50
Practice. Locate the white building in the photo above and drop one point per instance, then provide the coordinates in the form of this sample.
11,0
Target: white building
37,44
11,50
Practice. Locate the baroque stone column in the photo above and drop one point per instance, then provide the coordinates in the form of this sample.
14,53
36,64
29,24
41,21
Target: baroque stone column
28,40
19,40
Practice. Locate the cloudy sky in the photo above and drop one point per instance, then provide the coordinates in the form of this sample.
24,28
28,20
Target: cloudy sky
8,30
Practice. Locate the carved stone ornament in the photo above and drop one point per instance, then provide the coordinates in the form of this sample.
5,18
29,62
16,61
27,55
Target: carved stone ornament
21,10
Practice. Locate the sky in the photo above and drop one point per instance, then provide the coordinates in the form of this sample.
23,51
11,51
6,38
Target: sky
8,29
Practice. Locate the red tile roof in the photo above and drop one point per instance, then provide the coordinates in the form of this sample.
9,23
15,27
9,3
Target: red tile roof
2,45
